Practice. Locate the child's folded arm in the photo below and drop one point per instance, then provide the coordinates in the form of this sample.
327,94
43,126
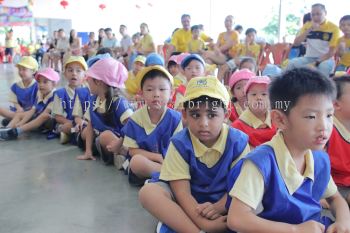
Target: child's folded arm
340,210
182,192
150,155
27,115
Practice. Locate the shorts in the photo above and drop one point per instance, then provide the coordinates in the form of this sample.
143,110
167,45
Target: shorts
167,188
8,51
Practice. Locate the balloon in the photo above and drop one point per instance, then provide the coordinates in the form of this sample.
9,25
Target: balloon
64,4
102,6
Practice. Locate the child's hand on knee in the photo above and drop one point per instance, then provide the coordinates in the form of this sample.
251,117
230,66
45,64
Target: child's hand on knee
208,210
339,227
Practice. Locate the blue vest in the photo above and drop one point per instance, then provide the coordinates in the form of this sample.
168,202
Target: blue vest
26,97
280,206
158,140
98,120
83,94
209,184
66,101
41,106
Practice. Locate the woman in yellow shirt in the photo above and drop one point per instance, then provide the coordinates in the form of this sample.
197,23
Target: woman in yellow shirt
146,43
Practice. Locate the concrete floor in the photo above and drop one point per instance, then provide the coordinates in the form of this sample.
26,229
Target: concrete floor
44,189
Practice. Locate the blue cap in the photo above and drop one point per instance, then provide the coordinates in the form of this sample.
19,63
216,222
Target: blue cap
271,70
154,59
94,59
191,57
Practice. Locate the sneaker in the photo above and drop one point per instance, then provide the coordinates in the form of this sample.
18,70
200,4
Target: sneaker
64,138
162,228
119,161
8,134
5,122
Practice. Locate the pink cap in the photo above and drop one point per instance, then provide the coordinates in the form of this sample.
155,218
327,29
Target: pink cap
109,71
239,75
180,57
173,58
256,80
48,73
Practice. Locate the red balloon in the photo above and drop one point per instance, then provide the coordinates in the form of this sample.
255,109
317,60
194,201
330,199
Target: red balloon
64,4
102,6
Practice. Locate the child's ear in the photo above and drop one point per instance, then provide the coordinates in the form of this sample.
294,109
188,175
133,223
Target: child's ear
337,105
184,114
279,119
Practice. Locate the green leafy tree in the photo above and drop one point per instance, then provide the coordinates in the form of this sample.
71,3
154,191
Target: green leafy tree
292,25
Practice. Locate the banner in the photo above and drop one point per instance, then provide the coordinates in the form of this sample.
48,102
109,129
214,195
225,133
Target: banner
15,16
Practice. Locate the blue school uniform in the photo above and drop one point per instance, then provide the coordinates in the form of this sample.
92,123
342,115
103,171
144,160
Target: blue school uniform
26,97
279,205
40,106
66,101
209,184
120,105
158,140
83,93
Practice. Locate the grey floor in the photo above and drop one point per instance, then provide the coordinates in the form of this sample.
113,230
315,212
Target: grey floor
44,189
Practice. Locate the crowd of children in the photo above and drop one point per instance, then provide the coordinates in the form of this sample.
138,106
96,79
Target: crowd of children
257,155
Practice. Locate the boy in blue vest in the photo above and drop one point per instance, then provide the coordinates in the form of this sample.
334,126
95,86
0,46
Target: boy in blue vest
64,98
148,132
191,195
287,176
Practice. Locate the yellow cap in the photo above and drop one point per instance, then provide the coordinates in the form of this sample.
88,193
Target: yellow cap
28,62
206,86
78,59
141,59
144,71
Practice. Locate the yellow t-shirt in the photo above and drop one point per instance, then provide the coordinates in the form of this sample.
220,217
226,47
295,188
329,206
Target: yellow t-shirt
141,117
195,46
250,119
180,40
252,50
233,36
41,98
174,166
318,42
179,79
147,44
345,59
131,84
249,186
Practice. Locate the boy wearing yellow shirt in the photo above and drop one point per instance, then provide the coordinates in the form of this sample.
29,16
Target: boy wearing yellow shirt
191,194
343,49
196,45
131,85
280,183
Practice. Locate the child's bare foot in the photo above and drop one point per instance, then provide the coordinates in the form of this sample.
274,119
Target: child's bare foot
86,157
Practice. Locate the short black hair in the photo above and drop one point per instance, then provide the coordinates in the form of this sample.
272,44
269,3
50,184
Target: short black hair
204,99
344,18
194,27
249,60
286,90
250,30
108,29
152,74
238,27
171,63
104,50
340,83
323,7
184,16
307,18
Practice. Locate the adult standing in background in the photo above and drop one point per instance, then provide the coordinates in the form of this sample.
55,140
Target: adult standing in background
10,44
147,45
321,38
74,43
101,35
61,48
